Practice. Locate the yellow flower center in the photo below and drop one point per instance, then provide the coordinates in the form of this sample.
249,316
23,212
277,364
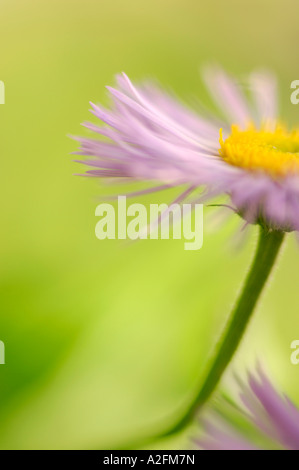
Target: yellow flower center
273,152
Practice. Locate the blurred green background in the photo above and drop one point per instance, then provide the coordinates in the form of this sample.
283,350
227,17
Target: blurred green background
105,343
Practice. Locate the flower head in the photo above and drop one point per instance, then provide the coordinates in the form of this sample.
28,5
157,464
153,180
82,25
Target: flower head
248,155
266,419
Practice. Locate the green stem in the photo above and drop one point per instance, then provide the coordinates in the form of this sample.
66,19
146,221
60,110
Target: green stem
268,248
266,255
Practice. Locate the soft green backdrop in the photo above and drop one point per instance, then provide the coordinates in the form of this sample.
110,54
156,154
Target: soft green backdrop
105,341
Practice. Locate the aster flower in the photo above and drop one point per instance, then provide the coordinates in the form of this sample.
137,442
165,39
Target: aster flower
264,420
148,136
152,137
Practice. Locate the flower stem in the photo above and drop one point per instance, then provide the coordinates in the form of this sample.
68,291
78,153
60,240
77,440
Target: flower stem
266,255
268,248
